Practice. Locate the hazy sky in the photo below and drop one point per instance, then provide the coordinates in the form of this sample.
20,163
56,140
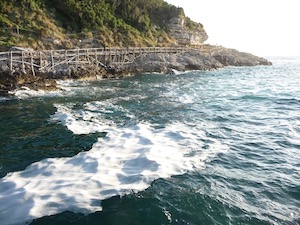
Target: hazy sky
262,27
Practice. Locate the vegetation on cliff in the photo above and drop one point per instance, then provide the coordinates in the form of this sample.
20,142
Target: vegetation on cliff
78,23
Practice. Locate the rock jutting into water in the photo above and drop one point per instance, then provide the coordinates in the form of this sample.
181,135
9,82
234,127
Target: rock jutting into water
206,57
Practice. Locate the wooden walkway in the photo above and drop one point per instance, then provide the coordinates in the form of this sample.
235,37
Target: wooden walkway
52,60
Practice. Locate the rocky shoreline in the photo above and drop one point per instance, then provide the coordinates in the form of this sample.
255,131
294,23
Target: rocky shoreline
209,58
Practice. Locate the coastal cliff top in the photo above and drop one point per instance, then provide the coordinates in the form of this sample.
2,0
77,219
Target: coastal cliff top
56,24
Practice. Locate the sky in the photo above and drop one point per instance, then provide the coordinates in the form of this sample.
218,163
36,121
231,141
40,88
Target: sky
261,27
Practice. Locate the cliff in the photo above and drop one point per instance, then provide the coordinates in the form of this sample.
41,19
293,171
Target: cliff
183,35
56,24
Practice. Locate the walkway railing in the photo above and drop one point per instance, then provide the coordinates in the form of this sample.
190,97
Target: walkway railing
50,60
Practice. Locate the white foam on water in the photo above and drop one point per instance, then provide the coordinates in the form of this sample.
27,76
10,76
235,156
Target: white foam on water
175,72
80,121
26,92
72,86
127,160
179,96
65,87
178,72
294,133
4,99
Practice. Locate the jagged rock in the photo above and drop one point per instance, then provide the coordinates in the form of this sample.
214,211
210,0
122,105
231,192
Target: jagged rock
185,36
206,58
191,60
232,57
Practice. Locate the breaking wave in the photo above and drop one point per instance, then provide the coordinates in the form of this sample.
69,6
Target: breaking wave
128,159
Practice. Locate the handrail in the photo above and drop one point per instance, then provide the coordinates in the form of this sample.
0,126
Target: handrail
145,49
48,60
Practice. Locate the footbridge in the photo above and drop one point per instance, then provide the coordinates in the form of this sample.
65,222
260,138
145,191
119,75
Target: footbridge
53,60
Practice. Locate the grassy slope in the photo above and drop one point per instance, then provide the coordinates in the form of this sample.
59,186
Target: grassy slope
86,23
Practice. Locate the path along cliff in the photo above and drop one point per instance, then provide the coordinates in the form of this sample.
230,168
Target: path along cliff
206,57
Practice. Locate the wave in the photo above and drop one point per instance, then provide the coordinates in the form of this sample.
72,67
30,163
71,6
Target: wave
65,87
4,99
26,92
128,159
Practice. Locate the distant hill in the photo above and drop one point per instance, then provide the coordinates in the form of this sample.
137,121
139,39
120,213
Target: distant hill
42,24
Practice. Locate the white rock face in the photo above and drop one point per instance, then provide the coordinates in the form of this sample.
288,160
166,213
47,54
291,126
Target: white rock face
183,35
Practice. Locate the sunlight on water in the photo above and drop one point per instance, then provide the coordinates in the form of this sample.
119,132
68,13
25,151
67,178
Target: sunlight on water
127,159
219,147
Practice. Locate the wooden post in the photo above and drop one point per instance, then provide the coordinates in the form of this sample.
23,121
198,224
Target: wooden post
41,59
11,61
124,56
96,57
66,56
31,62
23,65
88,56
113,56
116,55
109,55
52,59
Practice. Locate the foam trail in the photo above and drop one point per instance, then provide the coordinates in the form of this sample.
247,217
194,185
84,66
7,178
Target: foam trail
127,159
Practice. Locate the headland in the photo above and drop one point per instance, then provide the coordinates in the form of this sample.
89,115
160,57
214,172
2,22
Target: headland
40,69
103,39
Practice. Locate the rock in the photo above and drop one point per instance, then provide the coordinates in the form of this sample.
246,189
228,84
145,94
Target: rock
185,36
207,57
232,57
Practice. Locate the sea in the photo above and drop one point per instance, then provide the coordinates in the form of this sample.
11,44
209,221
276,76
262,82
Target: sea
215,147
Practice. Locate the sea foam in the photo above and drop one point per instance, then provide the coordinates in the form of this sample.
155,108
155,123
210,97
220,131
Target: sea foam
65,88
26,92
128,159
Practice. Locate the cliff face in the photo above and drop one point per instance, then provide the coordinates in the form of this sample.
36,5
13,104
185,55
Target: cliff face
180,32
53,24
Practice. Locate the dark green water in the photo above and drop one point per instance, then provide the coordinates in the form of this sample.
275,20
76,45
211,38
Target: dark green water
220,147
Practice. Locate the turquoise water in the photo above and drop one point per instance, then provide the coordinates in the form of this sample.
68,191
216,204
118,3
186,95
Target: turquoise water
218,147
